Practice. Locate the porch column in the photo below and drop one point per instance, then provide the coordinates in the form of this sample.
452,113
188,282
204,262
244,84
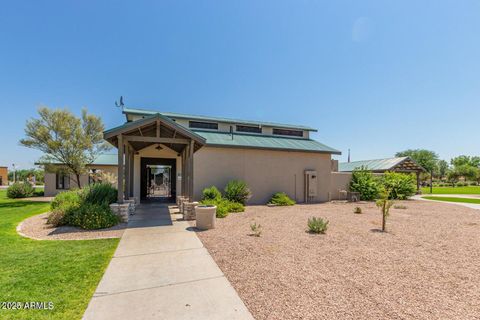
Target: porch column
132,166
190,189
127,171
184,173
120,169
418,182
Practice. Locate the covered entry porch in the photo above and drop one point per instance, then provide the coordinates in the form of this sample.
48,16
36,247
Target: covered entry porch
155,158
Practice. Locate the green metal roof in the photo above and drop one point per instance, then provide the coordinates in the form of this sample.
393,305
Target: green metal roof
106,159
224,139
373,165
219,119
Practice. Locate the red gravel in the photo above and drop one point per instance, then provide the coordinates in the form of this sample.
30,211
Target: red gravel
426,267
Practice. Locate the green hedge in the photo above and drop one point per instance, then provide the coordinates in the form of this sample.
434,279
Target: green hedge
20,190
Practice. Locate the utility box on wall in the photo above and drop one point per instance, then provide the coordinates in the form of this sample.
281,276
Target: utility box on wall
311,185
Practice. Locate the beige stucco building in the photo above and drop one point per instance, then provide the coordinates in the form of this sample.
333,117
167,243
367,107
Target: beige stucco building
3,176
163,155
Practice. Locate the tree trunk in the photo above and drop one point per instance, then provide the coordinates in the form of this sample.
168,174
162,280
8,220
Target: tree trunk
384,218
78,180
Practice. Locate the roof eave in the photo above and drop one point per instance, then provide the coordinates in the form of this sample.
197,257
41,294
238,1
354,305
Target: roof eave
220,145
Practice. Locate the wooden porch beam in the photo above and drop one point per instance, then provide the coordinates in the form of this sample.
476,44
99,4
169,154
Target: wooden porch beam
120,169
156,139
158,128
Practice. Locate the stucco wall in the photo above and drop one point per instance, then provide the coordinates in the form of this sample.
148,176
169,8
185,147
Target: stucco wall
339,181
265,171
4,176
50,180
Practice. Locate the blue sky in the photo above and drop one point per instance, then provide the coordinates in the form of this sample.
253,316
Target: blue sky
373,76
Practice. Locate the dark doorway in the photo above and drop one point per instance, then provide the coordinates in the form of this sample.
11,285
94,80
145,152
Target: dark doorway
158,179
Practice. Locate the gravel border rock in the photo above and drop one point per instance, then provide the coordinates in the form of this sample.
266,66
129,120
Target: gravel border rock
36,228
425,267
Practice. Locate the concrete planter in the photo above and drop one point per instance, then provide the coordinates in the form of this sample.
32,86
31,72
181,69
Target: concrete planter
206,216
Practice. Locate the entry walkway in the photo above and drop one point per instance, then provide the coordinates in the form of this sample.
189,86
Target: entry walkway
161,270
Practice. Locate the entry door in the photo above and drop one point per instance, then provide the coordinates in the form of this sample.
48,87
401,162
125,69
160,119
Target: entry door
158,179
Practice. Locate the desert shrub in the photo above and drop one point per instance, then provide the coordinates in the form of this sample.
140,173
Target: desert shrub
384,203
20,190
256,229
56,218
473,183
237,191
93,216
234,206
357,210
211,193
400,206
400,185
224,207
364,183
281,199
39,193
100,193
460,184
317,225
63,198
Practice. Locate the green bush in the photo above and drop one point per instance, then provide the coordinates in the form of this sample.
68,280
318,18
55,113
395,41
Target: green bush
281,199
365,183
100,193
357,210
237,191
93,216
224,207
85,208
20,190
211,193
400,185
317,225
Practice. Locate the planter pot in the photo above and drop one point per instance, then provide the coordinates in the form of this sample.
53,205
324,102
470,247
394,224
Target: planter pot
206,216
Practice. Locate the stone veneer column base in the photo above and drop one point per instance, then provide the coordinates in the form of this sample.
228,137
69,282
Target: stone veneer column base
122,210
189,211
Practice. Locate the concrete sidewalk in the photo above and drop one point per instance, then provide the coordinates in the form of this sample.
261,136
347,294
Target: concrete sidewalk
468,205
161,270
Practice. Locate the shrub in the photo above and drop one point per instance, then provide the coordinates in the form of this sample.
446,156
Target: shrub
64,207
56,218
235,206
211,193
357,210
384,203
364,183
224,207
94,216
317,225
20,190
400,185
400,206
472,183
281,199
237,191
67,197
100,193
256,229
460,184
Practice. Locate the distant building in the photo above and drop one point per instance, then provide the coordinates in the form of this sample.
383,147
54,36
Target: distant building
3,176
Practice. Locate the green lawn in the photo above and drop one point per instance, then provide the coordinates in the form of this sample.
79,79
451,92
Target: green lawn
63,272
453,199
451,190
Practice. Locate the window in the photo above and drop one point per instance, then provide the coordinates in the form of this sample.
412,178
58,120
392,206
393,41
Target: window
203,125
286,132
62,181
249,129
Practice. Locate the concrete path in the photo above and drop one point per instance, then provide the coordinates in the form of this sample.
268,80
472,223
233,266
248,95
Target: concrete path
161,270
468,205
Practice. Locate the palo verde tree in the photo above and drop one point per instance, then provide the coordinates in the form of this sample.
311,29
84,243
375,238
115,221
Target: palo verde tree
65,139
384,203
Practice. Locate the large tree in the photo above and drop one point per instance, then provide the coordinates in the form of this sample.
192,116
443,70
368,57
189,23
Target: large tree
466,160
426,158
66,139
442,168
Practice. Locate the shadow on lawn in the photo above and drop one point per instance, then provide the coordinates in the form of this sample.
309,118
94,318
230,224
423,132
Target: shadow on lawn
18,204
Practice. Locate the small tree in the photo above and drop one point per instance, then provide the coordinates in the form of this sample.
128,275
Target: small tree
384,203
73,142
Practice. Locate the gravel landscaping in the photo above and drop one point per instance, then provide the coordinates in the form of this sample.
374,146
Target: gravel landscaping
36,227
426,267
